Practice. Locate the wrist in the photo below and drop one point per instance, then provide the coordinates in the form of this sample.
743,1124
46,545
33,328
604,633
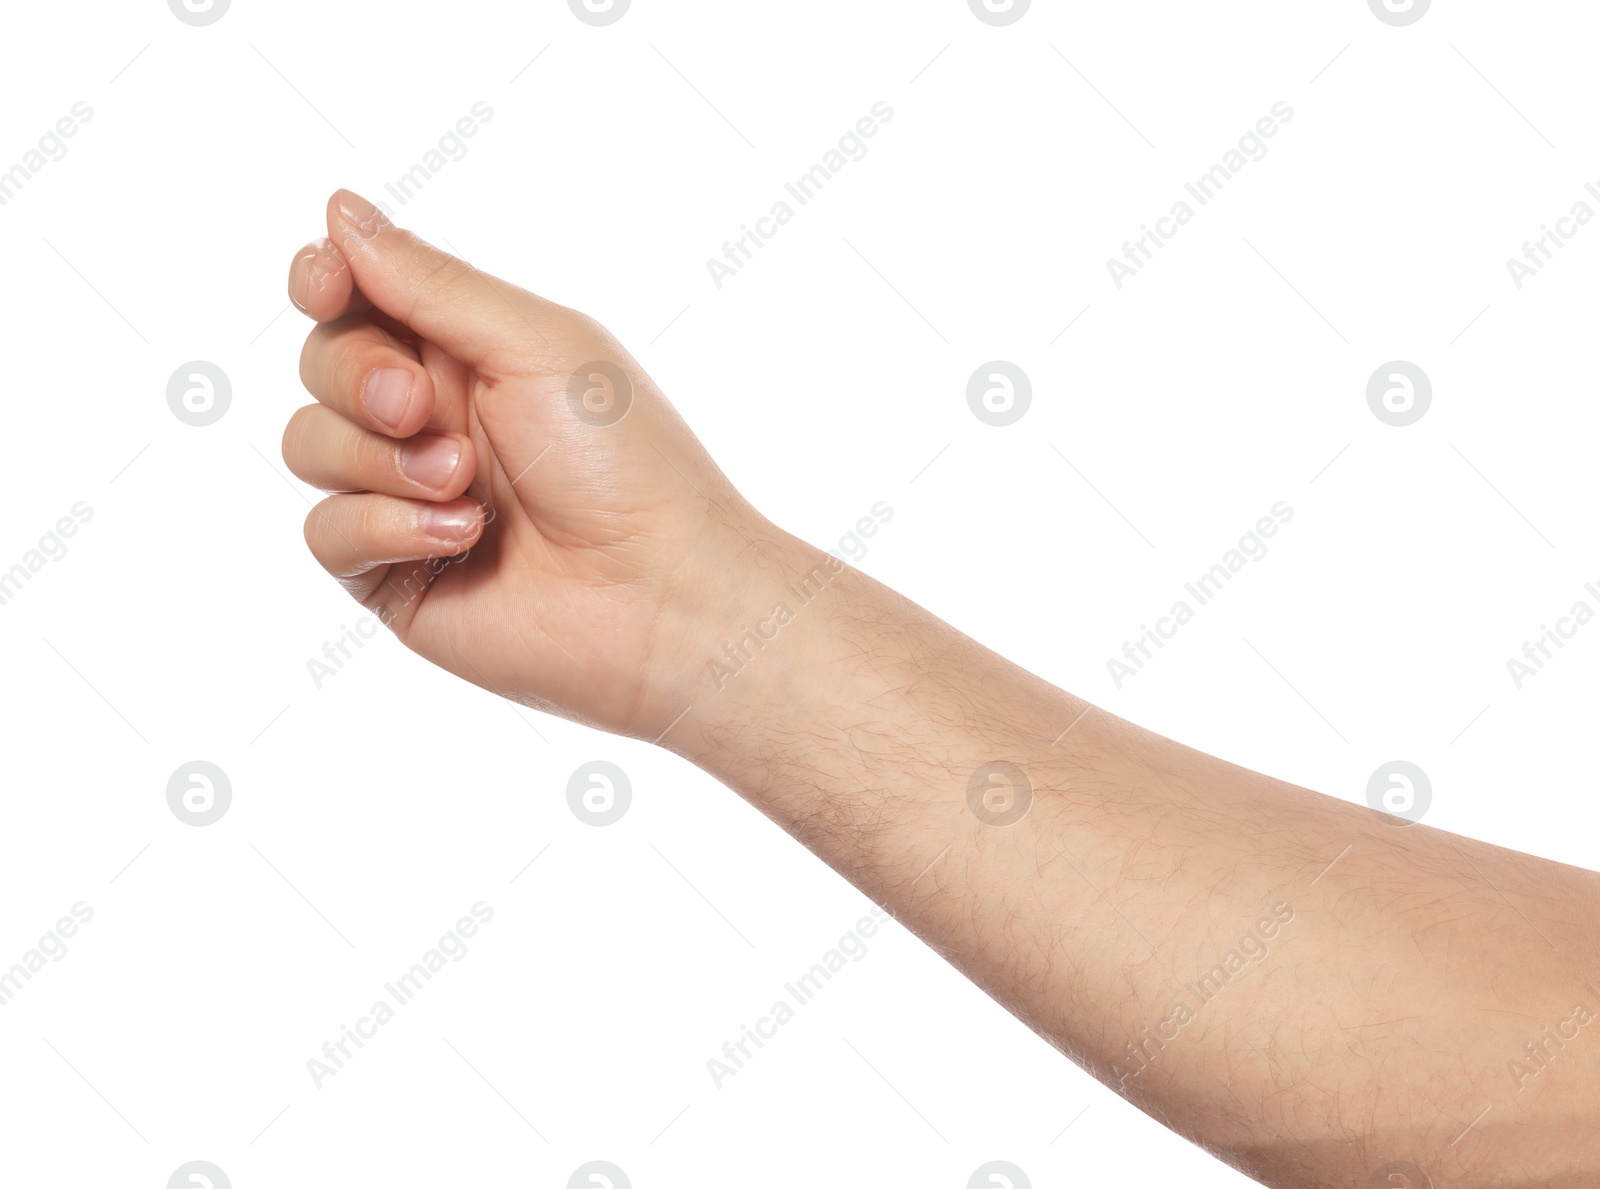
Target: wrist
823,676
767,646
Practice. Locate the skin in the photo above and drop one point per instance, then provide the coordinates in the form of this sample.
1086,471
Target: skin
1315,993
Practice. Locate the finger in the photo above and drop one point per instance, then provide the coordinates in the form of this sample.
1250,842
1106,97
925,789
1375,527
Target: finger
321,284
365,374
351,535
470,314
327,451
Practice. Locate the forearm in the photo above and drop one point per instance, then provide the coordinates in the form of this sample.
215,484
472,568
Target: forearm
1275,973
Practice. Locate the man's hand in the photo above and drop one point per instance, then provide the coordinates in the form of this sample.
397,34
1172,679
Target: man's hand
593,540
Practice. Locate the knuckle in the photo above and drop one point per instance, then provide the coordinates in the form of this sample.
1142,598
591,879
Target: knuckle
296,437
315,527
315,355
358,360
380,459
308,351
378,520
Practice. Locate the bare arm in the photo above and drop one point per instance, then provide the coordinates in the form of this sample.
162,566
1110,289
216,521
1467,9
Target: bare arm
1308,990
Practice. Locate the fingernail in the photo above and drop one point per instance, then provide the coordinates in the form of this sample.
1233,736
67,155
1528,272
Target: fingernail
430,461
387,395
451,524
360,216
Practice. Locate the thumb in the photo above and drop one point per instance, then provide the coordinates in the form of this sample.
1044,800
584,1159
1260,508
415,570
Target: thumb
463,309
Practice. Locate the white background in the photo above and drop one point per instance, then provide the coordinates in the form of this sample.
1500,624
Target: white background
370,813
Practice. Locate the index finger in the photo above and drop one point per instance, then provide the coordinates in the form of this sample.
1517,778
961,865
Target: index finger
321,284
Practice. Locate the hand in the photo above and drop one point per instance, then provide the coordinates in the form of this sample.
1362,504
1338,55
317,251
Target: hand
518,502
